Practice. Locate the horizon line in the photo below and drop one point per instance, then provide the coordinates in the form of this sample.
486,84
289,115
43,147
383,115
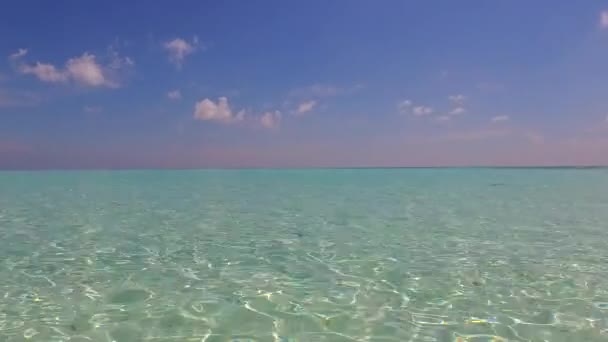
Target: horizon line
306,168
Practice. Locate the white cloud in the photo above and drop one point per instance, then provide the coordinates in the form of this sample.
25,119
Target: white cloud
44,72
306,106
271,119
500,118
174,94
604,19
92,109
457,111
457,100
408,107
20,53
83,70
179,48
220,111
422,110
207,110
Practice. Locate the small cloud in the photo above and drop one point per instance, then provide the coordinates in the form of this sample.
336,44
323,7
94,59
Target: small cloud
84,70
271,119
604,19
92,109
500,118
20,53
407,107
457,100
422,110
174,95
44,72
207,110
457,111
306,106
179,48
117,61
404,106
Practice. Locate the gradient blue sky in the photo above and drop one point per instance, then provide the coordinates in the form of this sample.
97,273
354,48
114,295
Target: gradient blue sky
303,83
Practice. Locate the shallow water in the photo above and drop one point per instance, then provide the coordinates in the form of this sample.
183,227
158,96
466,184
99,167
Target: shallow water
305,255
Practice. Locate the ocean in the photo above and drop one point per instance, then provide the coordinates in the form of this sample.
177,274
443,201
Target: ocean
471,254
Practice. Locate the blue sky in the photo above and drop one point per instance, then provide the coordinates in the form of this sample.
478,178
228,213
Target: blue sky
303,84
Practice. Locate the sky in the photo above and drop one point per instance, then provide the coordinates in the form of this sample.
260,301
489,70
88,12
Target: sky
342,83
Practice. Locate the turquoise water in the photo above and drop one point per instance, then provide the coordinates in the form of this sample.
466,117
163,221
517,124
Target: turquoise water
305,255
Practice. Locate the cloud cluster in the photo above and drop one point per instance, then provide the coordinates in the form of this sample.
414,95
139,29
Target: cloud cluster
220,111
84,70
407,107
457,103
179,49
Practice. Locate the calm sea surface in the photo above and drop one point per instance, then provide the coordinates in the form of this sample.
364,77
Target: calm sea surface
305,255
